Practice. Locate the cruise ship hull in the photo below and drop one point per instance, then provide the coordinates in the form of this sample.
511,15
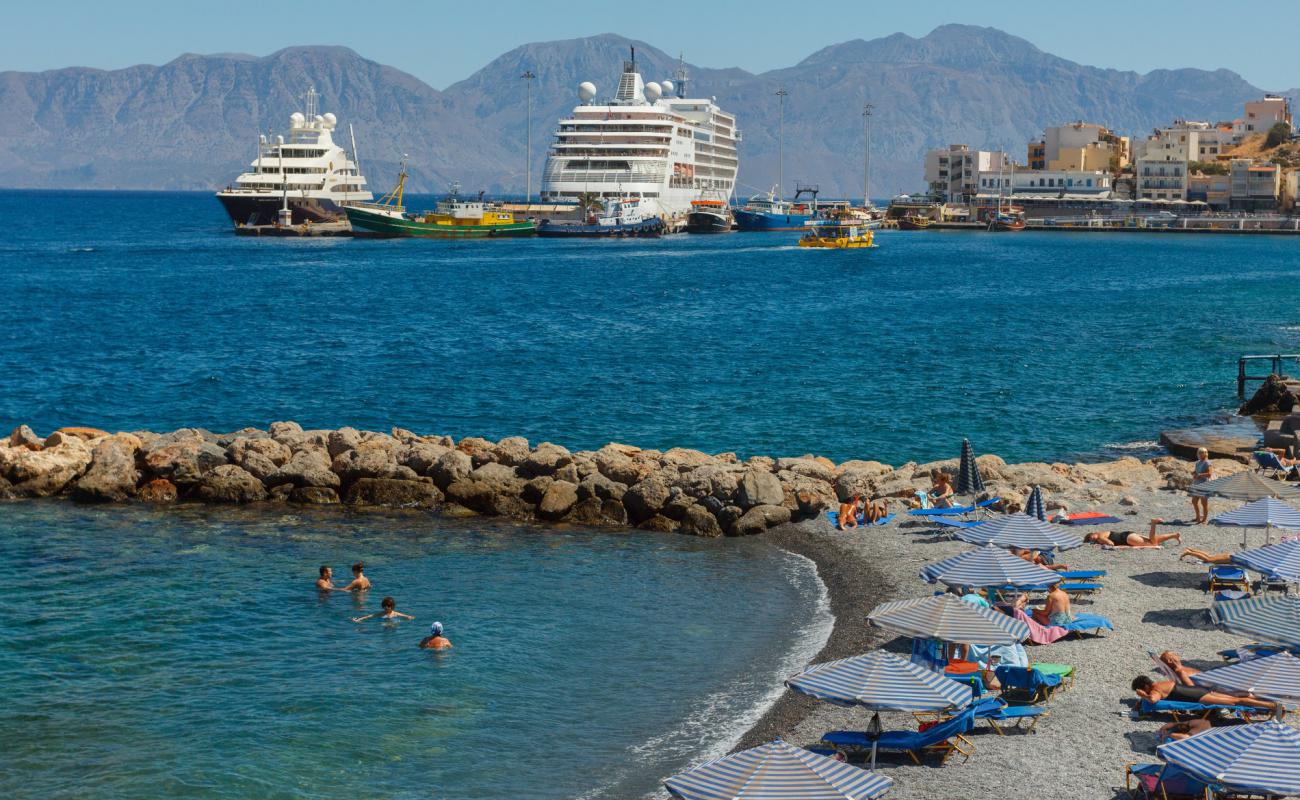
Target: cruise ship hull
762,221
261,209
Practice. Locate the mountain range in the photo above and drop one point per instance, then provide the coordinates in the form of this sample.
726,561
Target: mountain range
193,123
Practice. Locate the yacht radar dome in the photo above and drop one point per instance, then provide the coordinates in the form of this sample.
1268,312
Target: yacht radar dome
653,91
666,86
586,91
296,119
330,119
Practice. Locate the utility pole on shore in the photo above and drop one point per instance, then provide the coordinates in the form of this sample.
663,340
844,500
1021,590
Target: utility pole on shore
528,78
866,156
780,147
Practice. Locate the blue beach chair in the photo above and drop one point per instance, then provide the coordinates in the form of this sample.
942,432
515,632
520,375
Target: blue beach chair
1225,577
1027,685
1178,709
1270,465
1001,715
945,738
955,511
1161,781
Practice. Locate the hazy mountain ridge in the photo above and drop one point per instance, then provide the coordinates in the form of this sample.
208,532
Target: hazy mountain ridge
192,123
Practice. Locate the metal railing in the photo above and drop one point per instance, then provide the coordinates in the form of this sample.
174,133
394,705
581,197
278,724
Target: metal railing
1275,359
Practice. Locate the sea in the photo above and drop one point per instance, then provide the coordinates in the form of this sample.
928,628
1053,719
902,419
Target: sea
184,652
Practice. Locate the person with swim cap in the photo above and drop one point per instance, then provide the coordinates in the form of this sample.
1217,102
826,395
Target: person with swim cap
435,640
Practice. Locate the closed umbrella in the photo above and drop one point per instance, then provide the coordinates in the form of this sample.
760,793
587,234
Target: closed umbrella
777,771
1266,513
987,566
1263,758
1034,505
882,682
1021,530
1281,560
1276,677
1245,486
1272,617
947,618
969,480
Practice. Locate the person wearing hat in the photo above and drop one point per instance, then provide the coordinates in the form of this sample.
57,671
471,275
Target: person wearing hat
435,640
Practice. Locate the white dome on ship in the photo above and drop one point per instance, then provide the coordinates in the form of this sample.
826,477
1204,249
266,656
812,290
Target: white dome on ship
330,119
296,118
653,91
667,86
586,90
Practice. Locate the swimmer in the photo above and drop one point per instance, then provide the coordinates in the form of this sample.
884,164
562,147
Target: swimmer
360,582
326,580
390,611
435,640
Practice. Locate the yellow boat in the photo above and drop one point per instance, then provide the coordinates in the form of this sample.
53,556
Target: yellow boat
837,237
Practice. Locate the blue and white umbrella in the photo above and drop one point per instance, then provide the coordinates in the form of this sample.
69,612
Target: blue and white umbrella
882,682
1246,485
1263,758
777,771
1272,618
1281,560
1265,513
1276,677
969,480
1021,530
987,566
1034,505
947,618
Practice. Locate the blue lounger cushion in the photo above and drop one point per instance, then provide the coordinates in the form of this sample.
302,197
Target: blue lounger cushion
1081,574
1228,573
1010,713
1076,586
957,523
834,517
1168,706
955,511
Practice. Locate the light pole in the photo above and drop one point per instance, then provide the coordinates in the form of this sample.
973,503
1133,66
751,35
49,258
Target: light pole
528,78
780,175
866,157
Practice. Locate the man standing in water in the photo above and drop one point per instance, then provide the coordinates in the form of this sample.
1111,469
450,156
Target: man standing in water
326,580
360,582
435,640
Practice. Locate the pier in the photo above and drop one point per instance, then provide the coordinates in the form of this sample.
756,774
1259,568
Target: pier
305,229
1276,360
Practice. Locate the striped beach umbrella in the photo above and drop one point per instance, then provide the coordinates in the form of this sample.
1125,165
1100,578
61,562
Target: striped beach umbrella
1245,486
1263,758
777,771
1034,505
947,618
882,682
1276,677
1273,618
969,480
1281,560
987,566
1266,513
1021,530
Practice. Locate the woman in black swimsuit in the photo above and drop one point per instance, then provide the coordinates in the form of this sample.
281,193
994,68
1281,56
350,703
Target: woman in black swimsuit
1155,691
1131,539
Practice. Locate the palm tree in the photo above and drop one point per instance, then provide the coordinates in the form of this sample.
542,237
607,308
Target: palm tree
589,203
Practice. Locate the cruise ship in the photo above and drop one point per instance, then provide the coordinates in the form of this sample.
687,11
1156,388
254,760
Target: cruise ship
307,173
649,142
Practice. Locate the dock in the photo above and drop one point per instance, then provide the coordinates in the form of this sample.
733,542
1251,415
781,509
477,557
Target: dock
305,229
1220,225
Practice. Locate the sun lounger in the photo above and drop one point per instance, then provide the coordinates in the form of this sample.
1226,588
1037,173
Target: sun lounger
1021,685
1089,518
945,738
1225,577
1082,574
1004,715
1046,634
1078,589
1178,709
1162,781
834,517
1065,671
1249,652
955,511
957,523
1270,465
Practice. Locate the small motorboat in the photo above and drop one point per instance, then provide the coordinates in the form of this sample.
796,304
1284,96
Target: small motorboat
837,236
624,218
914,222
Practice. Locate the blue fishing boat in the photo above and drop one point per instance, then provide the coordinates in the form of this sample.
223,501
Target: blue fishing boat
770,213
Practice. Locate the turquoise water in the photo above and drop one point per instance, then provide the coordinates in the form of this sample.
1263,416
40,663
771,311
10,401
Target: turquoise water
144,310
187,654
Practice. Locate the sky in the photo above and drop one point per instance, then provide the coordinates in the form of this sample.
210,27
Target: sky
441,43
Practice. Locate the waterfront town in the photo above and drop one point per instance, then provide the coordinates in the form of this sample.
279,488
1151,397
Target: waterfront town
1248,166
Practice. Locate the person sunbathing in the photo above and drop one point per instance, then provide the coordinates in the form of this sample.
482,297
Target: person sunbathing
1035,557
875,510
941,490
1177,731
1155,691
1206,557
1181,672
848,517
1282,457
1056,608
1131,540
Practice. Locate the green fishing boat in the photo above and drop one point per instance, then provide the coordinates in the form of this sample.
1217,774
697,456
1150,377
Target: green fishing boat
454,218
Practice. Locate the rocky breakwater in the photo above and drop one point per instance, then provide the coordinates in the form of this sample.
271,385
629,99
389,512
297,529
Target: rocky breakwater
618,485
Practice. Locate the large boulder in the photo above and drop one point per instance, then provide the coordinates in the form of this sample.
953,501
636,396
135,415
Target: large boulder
280,429
393,492
22,436
615,463
158,491
82,432
183,460
342,440
759,488
698,521
258,456
450,467
487,498
600,487
546,458
808,466
228,483
480,450
1122,472
305,468
660,524
112,475
502,479
594,511
512,451
420,456
646,498
760,518
805,496
685,458
312,495
369,462
559,499
1273,396
41,473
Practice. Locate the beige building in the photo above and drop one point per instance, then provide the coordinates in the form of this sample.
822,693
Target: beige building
1291,191
1160,164
1255,186
953,173
1213,190
1079,147
1260,115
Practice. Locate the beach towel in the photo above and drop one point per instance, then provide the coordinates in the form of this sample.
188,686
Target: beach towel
1041,634
834,517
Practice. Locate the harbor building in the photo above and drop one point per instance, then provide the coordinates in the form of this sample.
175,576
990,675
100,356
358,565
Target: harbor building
952,174
1256,187
1160,163
1079,146
1048,183
1215,190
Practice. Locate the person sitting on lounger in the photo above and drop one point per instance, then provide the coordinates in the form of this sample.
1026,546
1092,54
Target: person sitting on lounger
1035,557
1174,664
1206,557
849,513
1056,608
1282,457
1177,731
1155,691
1131,540
941,490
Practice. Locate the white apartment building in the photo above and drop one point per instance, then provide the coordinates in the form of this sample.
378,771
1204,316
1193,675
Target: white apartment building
953,173
1160,163
1079,184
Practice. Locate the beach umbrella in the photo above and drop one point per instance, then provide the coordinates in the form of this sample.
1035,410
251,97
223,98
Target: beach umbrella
947,618
1034,505
1021,530
1245,486
1281,560
1266,513
777,771
1275,677
1273,618
1263,758
969,480
987,566
882,682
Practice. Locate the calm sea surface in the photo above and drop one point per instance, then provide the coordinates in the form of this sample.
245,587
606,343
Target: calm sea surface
184,653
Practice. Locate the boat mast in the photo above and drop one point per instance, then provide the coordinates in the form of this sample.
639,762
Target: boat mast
866,158
356,158
528,77
780,158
